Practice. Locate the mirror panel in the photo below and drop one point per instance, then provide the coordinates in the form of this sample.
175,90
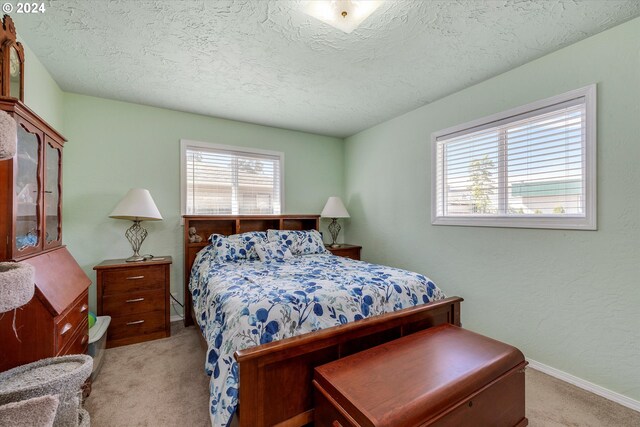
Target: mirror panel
14,73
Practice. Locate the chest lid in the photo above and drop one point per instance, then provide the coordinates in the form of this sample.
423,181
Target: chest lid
413,379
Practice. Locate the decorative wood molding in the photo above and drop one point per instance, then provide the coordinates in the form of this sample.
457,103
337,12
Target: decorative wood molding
9,41
8,29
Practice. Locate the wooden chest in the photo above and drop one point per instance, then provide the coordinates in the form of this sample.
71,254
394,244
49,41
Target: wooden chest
136,296
442,376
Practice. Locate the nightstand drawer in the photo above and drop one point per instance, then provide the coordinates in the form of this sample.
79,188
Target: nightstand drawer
133,279
135,325
134,302
69,322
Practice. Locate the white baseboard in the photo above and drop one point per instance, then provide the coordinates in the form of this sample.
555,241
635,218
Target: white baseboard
175,318
586,385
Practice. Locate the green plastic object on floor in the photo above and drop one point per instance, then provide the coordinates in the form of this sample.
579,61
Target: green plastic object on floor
92,319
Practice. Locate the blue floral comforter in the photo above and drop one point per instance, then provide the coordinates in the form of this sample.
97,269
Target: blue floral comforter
245,304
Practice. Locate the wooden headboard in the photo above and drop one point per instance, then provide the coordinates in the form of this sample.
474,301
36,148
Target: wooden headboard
233,224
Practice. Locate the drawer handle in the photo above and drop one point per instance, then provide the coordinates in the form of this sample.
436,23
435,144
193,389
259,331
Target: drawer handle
66,328
85,338
336,423
135,277
137,322
84,308
134,300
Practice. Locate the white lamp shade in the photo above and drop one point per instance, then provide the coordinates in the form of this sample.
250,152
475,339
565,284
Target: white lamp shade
334,209
137,205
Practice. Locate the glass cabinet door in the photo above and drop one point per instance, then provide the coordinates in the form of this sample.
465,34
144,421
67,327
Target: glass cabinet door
27,189
52,157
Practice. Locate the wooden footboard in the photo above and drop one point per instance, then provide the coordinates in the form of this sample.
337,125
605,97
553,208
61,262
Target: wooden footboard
275,378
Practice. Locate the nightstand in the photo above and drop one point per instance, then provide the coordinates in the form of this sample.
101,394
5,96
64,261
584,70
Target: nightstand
136,296
347,251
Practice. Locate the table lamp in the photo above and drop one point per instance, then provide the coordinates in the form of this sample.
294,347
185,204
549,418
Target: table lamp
137,205
334,209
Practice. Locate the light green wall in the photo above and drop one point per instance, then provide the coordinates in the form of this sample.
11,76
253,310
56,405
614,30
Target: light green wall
41,92
569,299
114,146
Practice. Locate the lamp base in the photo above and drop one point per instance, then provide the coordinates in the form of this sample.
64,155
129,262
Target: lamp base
136,235
335,245
334,229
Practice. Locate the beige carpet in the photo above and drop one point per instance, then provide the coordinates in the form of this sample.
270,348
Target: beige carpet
156,383
162,383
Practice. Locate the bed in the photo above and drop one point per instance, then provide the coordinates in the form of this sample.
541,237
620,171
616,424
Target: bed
267,325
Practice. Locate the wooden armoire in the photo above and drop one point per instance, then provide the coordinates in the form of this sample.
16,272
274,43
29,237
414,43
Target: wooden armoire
55,321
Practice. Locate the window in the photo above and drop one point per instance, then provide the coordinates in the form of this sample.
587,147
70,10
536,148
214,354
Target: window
531,167
225,180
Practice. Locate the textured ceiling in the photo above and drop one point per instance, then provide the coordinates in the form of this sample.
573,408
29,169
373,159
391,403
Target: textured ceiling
266,62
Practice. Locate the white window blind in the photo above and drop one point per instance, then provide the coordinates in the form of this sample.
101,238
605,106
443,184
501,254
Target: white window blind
529,167
221,180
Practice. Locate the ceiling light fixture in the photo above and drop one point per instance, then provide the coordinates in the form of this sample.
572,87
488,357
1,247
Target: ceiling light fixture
345,15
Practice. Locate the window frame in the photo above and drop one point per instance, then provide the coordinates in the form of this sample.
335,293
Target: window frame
588,222
188,143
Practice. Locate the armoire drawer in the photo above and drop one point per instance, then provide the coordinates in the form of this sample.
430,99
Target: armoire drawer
69,322
78,343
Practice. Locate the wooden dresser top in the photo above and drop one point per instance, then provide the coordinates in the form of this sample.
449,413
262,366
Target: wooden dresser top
122,263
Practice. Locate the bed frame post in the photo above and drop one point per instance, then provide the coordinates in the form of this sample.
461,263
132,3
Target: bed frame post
455,313
249,393
186,300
